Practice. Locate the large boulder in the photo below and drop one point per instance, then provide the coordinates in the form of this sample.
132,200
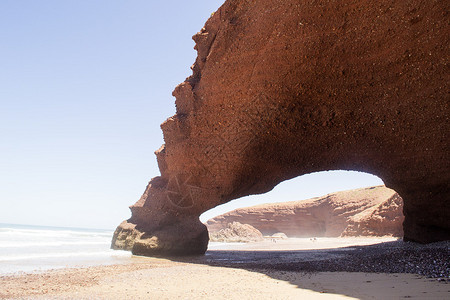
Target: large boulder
285,88
237,233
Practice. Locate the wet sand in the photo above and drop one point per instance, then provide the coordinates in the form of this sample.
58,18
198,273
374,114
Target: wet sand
286,271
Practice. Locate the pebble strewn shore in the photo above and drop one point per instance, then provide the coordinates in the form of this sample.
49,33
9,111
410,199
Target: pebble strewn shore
405,258
432,260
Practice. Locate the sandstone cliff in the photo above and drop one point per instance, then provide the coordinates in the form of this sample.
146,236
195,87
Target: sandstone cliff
374,211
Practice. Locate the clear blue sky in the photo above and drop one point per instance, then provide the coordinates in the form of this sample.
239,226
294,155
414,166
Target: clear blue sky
84,86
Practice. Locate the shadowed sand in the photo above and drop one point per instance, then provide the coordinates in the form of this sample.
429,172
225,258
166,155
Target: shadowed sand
238,273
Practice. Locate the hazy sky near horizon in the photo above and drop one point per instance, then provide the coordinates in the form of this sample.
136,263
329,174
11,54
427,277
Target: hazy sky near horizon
84,86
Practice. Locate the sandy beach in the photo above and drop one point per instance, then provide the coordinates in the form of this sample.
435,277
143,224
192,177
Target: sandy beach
287,269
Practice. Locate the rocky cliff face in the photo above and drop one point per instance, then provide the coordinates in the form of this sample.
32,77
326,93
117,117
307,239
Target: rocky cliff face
384,218
375,211
285,88
236,232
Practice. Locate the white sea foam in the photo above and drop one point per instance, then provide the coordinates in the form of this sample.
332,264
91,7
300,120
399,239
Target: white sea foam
31,248
61,255
49,233
49,244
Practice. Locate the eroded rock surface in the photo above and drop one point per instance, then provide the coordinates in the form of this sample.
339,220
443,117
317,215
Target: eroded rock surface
285,88
375,211
236,232
385,218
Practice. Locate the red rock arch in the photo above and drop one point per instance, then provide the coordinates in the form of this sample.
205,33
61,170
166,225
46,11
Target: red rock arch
285,88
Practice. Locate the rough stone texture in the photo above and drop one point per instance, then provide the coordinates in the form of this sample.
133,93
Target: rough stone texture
382,219
375,211
285,88
236,232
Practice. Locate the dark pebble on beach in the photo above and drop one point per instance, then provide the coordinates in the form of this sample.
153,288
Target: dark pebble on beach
431,260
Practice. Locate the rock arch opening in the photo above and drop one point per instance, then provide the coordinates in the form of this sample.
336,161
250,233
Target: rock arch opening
322,204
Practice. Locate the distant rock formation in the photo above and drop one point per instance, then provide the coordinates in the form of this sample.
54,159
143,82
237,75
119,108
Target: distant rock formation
285,88
375,211
236,232
279,236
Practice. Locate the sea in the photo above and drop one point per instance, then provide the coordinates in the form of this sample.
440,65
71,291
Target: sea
31,249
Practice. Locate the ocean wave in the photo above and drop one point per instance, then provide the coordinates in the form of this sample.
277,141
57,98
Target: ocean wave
52,233
50,244
111,253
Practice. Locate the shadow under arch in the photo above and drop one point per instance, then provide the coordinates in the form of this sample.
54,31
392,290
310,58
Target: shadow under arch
305,269
350,271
